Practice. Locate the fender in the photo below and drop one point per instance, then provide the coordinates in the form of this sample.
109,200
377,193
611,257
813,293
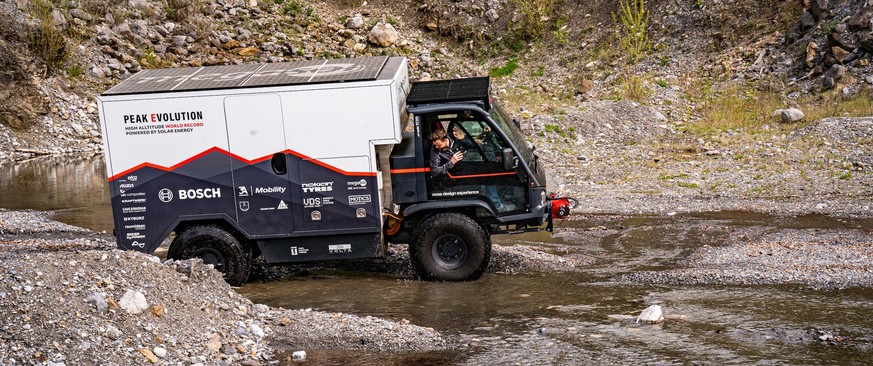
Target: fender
195,218
440,205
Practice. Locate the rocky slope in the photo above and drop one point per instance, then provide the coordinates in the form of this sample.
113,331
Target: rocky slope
57,56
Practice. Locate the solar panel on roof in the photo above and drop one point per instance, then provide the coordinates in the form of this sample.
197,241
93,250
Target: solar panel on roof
252,75
446,91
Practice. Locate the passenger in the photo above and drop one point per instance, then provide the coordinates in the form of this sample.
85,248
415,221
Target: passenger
441,157
462,141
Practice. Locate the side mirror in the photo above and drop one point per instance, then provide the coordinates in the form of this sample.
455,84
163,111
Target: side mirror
509,160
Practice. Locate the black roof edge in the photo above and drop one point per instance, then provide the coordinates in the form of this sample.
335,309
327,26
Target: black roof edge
475,89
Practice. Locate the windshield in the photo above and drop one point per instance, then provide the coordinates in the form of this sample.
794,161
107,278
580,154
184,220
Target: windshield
499,115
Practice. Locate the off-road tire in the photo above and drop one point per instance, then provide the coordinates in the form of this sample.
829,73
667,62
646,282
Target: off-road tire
215,246
449,247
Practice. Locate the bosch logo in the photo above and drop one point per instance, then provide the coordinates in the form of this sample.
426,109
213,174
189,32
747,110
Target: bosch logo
190,194
165,195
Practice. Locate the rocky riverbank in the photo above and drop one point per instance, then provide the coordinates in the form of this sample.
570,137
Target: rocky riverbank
68,297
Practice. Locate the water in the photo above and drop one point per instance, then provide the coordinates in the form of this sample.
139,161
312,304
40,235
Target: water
583,317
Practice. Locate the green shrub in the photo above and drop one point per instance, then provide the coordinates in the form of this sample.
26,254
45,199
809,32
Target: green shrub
507,70
536,17
47,41
633,87
181,10
632,21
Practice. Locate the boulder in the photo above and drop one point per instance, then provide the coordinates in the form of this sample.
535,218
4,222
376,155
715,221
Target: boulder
80,14
861,21
837,40
789,115
836,72
355,22
840,54
98,301
810,54
133,302
383,34
807,20
651,314
492,15
819,8
866,42
59,20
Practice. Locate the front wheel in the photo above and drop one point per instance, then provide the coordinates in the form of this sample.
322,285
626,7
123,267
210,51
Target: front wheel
214,246
450,247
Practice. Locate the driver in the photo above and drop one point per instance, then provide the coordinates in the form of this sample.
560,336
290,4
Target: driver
441,157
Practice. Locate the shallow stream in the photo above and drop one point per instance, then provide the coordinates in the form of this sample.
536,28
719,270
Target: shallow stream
584,317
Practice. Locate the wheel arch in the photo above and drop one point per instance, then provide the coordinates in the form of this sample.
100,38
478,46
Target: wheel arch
222,221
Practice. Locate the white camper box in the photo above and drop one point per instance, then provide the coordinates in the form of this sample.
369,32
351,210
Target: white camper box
336,114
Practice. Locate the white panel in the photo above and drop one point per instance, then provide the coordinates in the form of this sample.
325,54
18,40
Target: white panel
254,125
164,132
339,122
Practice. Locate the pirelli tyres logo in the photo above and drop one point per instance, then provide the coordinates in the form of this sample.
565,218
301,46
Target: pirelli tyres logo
162,123
167,195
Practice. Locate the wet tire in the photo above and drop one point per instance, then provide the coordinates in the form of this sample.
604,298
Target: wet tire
450,247
214,246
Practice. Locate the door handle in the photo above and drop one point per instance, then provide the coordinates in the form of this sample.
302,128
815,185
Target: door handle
278,163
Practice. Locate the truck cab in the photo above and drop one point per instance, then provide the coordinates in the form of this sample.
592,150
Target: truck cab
498,186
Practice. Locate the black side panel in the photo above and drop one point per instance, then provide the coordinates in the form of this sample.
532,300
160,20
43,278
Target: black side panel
320,248
407,172
147,201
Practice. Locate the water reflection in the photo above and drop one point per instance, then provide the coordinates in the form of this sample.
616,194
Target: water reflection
76,186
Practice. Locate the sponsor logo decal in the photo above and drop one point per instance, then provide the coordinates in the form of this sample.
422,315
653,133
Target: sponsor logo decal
162,123
265,190
135,227
125,185
165,195
298,250
133,200
134,209
312,202
137,244
361,213
360,199
132,178
134,218
135,235
242,191
199,193
339,248
317,187
244,206
356,185
282,205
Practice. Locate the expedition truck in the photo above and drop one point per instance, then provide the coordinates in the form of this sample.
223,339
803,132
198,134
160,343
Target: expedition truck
315,160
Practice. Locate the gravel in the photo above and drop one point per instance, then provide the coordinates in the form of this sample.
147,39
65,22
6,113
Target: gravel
821,259
67,298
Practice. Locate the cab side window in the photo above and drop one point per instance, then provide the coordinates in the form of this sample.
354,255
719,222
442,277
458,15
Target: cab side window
489,144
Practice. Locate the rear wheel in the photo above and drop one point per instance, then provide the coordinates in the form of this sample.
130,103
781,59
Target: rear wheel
450,247
215,246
